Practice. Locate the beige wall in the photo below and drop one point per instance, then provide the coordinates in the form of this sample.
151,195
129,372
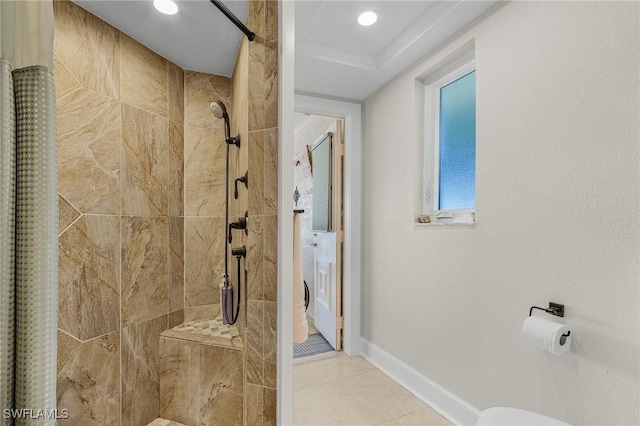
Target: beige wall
557,218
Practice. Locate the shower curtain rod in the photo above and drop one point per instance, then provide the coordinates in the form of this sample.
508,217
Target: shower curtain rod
233,18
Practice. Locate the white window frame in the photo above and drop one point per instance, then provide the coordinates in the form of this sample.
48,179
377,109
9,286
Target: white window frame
431,152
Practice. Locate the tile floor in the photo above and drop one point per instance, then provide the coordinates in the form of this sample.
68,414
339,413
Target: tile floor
337,389
163,422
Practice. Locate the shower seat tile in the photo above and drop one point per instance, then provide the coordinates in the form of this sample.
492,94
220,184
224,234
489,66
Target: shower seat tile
208,332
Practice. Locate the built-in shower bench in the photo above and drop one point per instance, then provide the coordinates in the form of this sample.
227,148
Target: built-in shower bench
206,331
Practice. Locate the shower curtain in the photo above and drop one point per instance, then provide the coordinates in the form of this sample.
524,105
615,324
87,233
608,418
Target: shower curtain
28,215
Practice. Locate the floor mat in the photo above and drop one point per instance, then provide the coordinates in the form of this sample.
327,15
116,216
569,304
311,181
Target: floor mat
315,344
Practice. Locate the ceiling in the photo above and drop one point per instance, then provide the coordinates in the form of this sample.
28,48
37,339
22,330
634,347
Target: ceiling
335,56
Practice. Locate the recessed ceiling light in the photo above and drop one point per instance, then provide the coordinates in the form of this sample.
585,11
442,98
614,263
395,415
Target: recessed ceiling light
367,18
168,7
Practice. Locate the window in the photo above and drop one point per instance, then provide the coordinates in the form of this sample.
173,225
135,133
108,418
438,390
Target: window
450,147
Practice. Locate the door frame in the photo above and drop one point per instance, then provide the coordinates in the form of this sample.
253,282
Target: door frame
351,113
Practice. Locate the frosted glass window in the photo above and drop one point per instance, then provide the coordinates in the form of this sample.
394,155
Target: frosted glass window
457,144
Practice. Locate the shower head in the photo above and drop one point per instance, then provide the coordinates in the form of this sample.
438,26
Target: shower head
218,109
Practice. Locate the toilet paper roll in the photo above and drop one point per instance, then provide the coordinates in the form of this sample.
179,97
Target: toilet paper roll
547,335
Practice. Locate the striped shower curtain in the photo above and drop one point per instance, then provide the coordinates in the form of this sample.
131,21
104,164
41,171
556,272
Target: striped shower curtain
28,215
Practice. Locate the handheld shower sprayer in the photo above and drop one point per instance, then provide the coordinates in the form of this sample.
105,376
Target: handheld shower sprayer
220,111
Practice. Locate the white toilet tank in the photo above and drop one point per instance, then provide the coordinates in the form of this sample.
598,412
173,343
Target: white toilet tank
506,416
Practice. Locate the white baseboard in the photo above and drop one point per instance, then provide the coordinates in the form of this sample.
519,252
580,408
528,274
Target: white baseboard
450,406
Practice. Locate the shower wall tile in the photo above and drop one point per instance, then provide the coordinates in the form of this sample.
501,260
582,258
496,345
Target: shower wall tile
176,170
270,344
66,214
179,360
175,76
205,163
204,259
143,77
220,386
176,264
141,372
254,261
67,345
89,384
89,273
144,268
271,20
256,173
200,90
88,46
256,19
257,85
270,259
175,318
254,342
89,151
144,169
270,82
253,404
269,406
201,312
270,171
65,82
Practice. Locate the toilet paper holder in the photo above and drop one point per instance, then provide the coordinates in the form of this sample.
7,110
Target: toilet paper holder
554,309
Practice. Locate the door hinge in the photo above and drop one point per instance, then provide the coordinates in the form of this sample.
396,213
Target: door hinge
340,323
341,150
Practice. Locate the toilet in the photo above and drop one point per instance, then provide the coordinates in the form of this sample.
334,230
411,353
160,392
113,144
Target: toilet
507,416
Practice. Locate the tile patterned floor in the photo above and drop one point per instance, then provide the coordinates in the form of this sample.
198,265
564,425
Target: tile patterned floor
350,391
210,331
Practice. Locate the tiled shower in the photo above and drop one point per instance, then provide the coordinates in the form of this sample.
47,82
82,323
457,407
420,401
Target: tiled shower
141,181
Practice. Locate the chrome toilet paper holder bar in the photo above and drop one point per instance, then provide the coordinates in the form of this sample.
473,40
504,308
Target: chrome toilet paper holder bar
554,309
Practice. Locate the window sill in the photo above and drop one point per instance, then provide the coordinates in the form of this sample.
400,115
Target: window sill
448,218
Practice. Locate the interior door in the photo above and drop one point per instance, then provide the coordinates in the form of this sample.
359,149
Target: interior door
327,226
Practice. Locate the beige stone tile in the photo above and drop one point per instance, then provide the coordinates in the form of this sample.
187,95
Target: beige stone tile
89,145
66,214
176,264
88,274
204,259
256,173
144,268
254,343
256,19
145,163
389,423
200,90
143,77
209,331
65,81
204,173
176,93
221,386
254,260
271,20
269,405
423,417
270,344
67,345
89,384
179,362
88,46
192,313
270,261
257,86
175,318
141,371
271,83
176,170
328,371
253,404
271,171
164,422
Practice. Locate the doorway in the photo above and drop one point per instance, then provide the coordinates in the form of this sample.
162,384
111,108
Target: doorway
318,197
